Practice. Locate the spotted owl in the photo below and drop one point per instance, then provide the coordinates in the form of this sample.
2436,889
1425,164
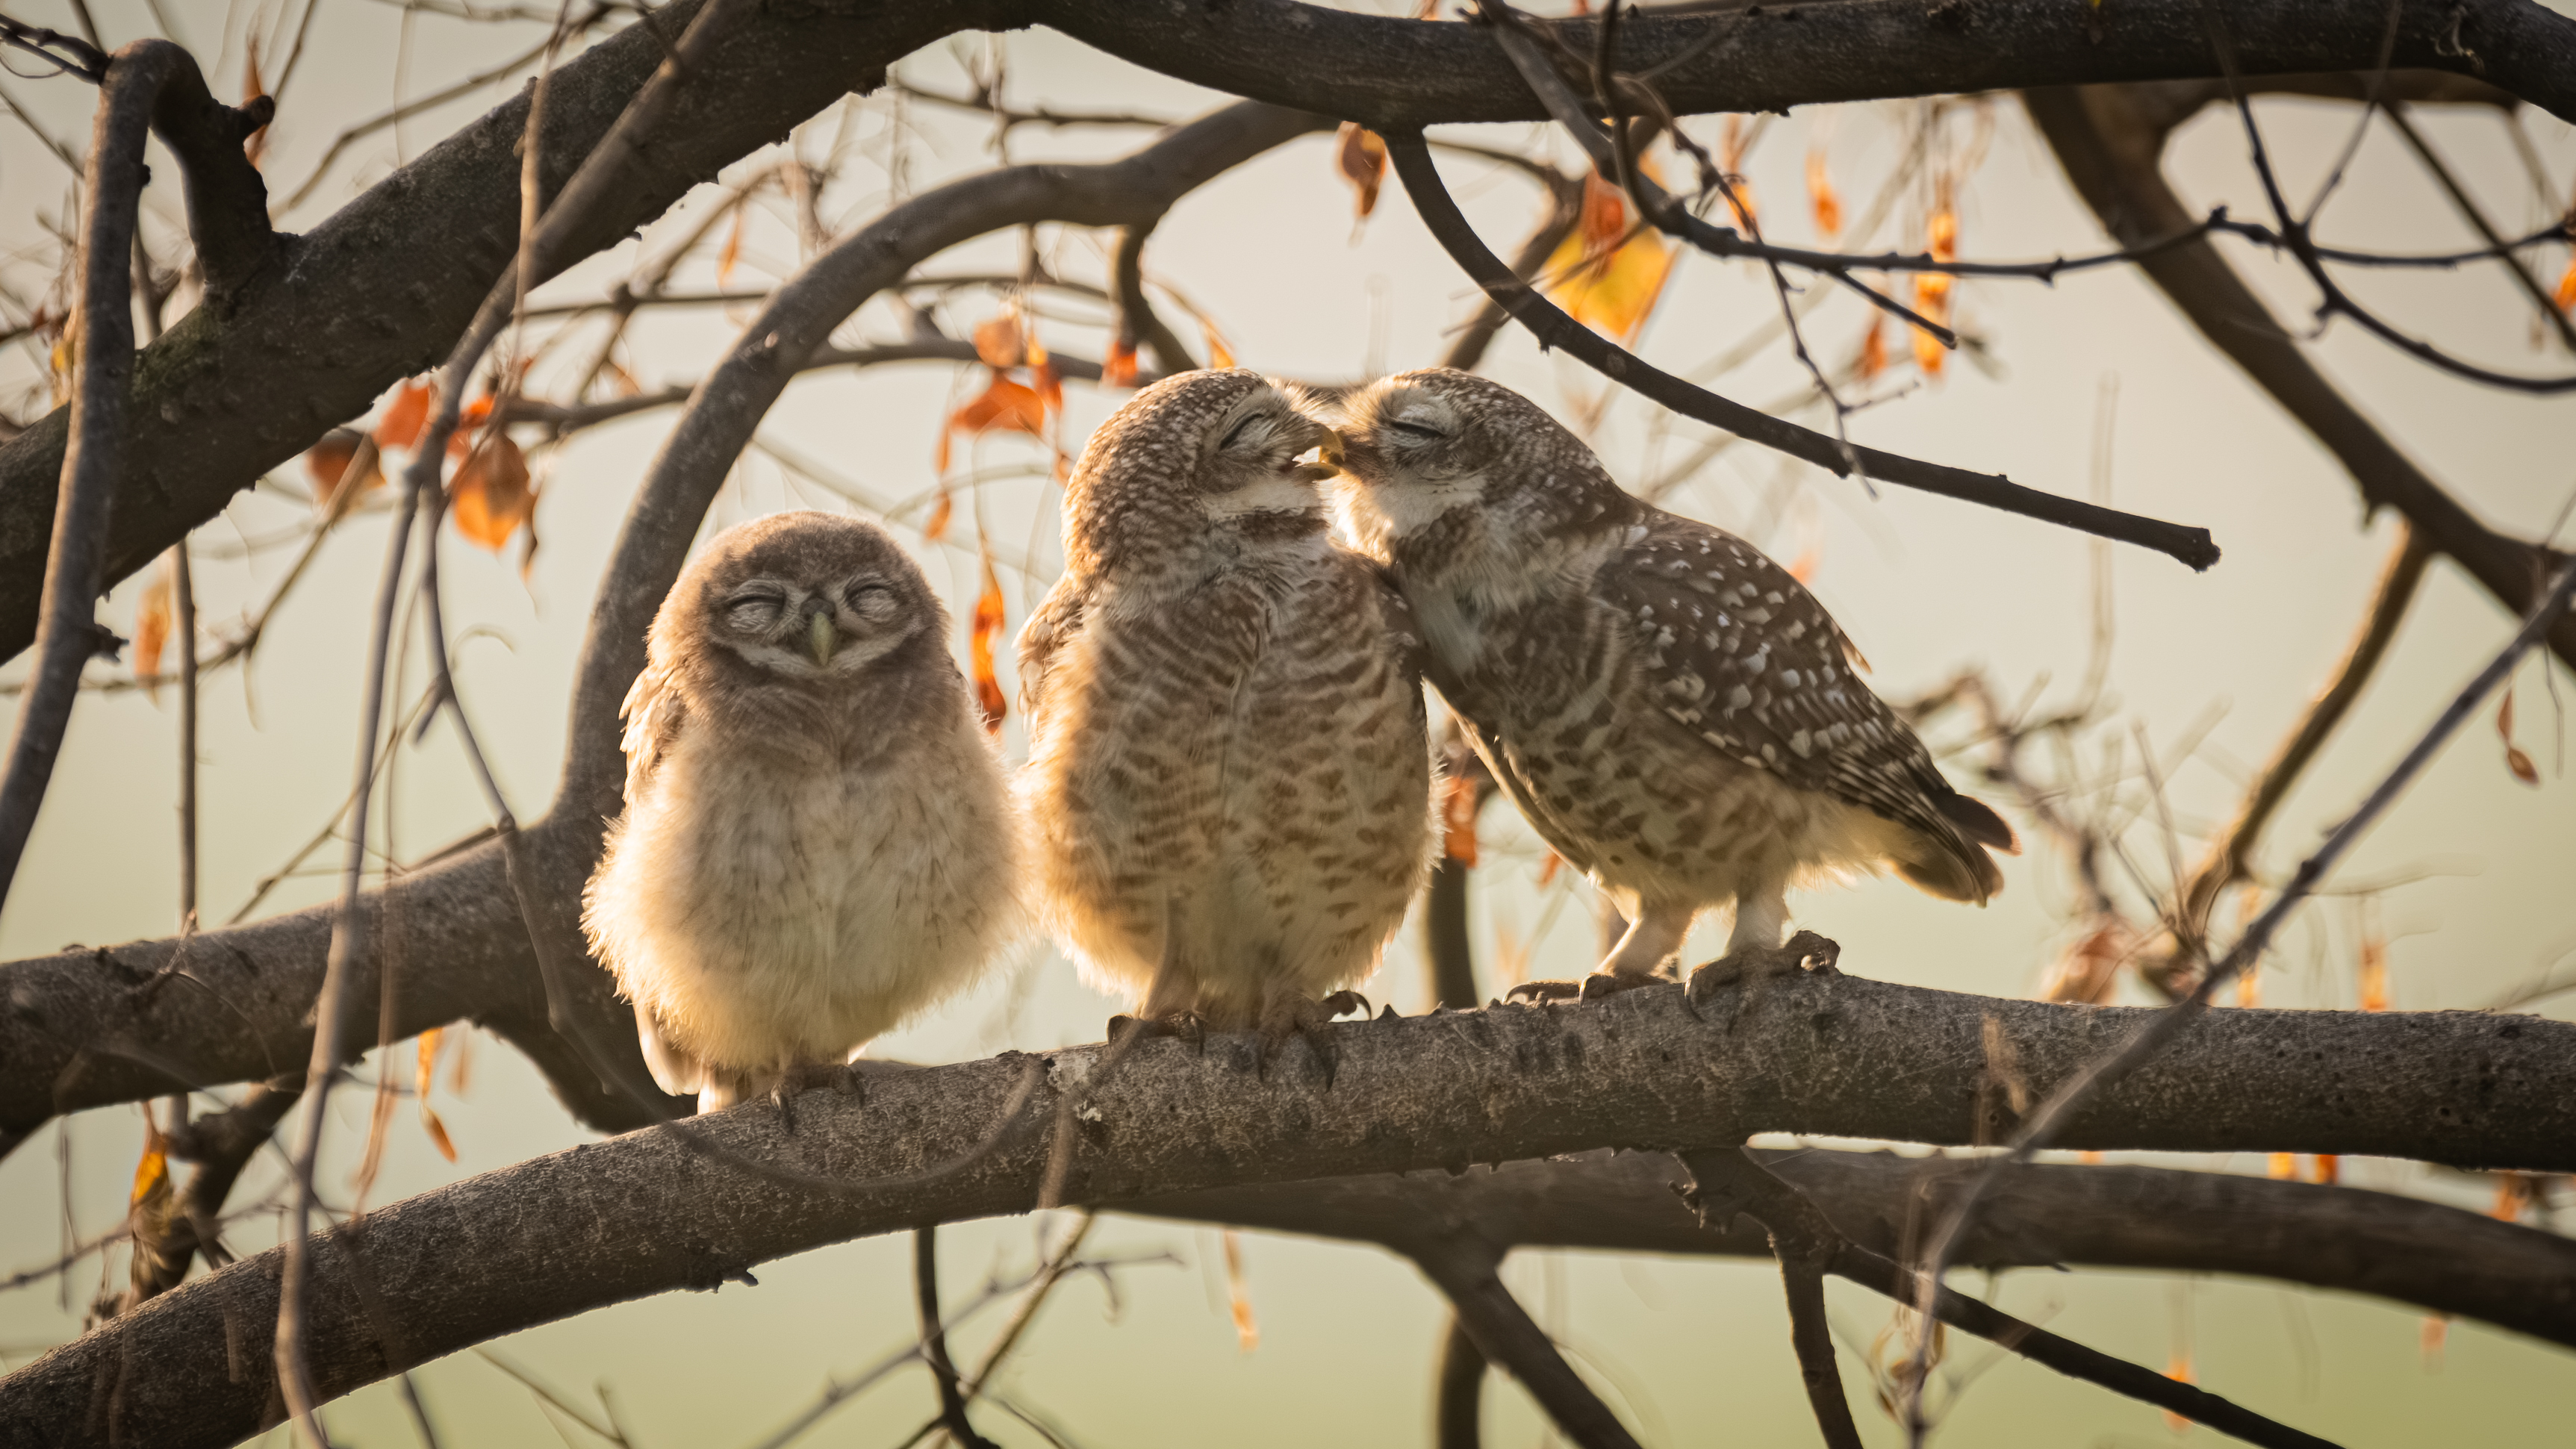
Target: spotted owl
819,840
1672,711
1229,780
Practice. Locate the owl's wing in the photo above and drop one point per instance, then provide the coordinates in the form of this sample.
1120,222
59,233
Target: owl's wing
1054,625
1740,653
653,711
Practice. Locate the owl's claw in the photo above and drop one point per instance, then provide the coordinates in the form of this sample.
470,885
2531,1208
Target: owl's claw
1189,1026
1298,1016
1754,964
1543,991
1591,988
805,1077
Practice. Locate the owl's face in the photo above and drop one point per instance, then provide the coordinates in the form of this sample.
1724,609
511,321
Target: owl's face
798,598
1442,455
1203,456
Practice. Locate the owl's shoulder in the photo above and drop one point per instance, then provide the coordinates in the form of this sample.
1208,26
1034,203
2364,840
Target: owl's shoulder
655,710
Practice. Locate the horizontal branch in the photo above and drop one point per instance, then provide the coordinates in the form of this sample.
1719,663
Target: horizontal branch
1553,328
645,1213
382,288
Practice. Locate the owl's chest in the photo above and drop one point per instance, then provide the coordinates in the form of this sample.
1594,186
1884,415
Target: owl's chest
803,830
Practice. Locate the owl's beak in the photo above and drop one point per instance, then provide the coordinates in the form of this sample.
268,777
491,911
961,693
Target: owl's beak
1328,457
822,638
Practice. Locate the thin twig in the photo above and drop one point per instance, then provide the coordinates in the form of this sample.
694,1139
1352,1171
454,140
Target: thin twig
1462,1266
934,1339
2104,1073
1553,328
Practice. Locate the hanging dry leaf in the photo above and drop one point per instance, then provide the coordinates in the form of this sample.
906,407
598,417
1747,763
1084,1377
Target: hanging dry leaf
2282,1167
422,1082
1118,369
986,627
404,417
2514,759
942,509
998,342
1547,869
2514,1192
2429,1341
1607,279
327,464
2567,288
1003,406
1220,355
1360,155
1238,1293
2325,1168
1822,199
1458,819
152,1173
1045,381
2091,967
1932,289
152,613
1872,358
489,495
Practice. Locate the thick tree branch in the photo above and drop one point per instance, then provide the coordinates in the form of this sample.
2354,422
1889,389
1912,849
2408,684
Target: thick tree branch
2110,140
1553,328
643,1213
1139,325
381,289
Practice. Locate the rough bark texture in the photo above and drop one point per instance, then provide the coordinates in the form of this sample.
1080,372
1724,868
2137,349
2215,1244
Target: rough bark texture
610,1221
380,290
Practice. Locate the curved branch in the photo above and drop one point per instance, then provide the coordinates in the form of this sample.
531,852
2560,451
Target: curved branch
2110,139
1503,1334
1554,328
354,314
644,1214
1138,323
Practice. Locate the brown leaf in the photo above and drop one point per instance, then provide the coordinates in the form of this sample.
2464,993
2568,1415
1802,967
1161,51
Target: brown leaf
152,1174
2567,288
1822,199
404,417
425,1078
999,343
327,462
489,496
2514,759
983,630
2325,1168
1003,406
1932,289
1220,355
1360,155
940,512
1118,369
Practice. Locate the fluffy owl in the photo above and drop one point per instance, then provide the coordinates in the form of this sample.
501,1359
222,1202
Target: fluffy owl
819,840
1229,780
1673,712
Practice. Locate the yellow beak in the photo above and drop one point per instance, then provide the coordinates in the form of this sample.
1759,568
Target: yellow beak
1328,458
822,638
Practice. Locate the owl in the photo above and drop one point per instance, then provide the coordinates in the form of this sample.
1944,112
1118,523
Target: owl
1672,711
819,840
1229,777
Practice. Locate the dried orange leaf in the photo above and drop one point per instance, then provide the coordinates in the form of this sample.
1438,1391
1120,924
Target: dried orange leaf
152,1174
1118,369
1458,819
437,1131
1872,358
327,464
2178,1369
2374,970
1045,381
998,341
984,629
2514,759
1360,155
941,510
2326,1168
404,416
1547,869
1220,355
152,623
1822,199
489,496
2567,288
1238,1293
2282,1167
1613,290
1003,406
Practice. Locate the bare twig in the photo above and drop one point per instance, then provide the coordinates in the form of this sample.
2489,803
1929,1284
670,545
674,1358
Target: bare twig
150,85
934,1339
2082,1089
1458,1400
2476,217
1553,328
1138,325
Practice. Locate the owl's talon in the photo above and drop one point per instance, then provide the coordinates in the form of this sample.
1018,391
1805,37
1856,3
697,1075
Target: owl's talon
1610,983
1754,964
1300,1016
1343,1003
1544,991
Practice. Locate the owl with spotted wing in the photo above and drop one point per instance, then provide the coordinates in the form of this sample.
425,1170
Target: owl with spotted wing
819,841
1672,711
1229,779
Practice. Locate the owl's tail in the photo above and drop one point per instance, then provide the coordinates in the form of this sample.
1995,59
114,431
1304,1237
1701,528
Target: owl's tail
1953,863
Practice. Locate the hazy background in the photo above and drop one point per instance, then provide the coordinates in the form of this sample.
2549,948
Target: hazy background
2213,669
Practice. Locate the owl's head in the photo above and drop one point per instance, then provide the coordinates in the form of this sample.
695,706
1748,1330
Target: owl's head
1438,455
1225,454
801,598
